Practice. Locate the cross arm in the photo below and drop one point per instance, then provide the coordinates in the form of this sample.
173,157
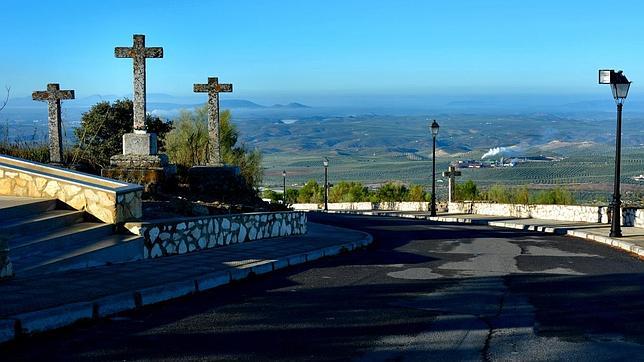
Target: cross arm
65,94
224,88
124,52
200,88
154,52
40,96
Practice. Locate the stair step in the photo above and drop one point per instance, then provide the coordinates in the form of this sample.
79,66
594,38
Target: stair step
12,208
61,238
36,224
112,249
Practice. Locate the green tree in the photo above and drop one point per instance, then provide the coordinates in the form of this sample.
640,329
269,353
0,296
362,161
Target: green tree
187,144
101,130
271,195
466,191
499,193
522,195
291,196
348,192
311,192
417,193
557,196
391,192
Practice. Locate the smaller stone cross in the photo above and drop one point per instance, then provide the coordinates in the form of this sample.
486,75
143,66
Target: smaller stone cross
53,95
213,88
451,173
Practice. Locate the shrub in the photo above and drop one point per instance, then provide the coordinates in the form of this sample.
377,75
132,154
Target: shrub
348,192
100,134
391,192
311,192
418,194
557,196
466,191
187,144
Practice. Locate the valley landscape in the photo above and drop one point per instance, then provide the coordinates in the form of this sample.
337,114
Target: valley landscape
394,144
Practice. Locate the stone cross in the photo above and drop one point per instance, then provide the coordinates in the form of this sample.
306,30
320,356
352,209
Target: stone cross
213,88
53,95
451,173
138,52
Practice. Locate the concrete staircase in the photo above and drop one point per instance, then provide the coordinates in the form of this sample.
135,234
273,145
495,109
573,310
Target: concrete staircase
44,236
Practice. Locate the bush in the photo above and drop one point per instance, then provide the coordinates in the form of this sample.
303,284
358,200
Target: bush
187,144
291,196
311,192
101,130
466,191
348,192
392,192
418,194
271,195
558,196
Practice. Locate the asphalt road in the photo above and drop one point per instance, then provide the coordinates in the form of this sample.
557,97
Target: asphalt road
422,291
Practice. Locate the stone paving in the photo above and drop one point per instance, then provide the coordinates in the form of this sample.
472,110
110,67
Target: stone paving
35,304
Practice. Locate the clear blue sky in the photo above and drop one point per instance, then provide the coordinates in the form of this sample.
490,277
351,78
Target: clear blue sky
288,48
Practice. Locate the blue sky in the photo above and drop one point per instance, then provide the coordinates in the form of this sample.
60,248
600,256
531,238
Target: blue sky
291,50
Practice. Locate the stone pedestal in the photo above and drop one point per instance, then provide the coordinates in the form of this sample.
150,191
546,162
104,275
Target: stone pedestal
215,180
152,171
139,144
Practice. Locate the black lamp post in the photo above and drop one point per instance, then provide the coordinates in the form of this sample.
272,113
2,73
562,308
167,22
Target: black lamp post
326,183
434,127
619,84
284,188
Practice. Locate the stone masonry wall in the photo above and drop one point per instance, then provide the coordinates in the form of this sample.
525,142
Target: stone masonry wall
106,204
180,236
368,206
575,213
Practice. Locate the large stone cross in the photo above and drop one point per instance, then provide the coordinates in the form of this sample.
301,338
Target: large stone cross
53,95
451,173
213,88
138,52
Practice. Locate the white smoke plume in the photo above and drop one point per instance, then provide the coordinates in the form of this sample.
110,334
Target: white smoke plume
501,151
493,152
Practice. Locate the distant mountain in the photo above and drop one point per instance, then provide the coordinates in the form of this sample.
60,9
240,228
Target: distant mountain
290,105
239,103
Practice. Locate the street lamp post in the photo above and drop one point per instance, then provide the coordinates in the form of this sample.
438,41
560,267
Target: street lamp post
326,183
619,85
284,187
434,128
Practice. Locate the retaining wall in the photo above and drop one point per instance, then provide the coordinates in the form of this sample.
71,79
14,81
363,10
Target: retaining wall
367,206
108,200
574,213
183,235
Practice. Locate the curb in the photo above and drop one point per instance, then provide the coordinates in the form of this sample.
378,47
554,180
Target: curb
65,315
616,243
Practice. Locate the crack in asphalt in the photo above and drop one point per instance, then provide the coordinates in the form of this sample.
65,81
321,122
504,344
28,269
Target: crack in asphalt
485,352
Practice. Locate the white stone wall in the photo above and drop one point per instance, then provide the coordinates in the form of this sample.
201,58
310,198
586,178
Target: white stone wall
574,213
305,207
351,206
639,218
180,236
109,201
367,206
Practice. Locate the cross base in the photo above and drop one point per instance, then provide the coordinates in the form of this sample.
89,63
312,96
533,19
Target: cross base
139,143
214,180
152,171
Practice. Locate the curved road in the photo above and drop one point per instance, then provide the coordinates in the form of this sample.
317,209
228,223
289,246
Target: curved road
422,291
